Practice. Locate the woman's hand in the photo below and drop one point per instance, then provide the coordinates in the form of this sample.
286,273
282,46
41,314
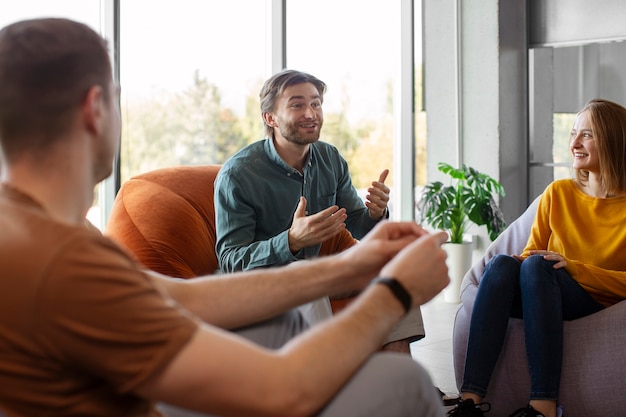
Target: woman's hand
560,260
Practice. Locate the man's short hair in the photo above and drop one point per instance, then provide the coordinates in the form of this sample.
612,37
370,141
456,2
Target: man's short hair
276,85
46,68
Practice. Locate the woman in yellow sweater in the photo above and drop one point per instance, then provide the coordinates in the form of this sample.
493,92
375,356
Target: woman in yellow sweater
573,266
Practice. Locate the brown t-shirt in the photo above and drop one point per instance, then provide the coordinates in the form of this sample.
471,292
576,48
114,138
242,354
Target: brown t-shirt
81,326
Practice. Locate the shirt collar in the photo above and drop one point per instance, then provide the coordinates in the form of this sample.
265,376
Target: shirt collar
272,154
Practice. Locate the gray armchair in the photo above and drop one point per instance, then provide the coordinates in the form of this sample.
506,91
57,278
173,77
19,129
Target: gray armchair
594,357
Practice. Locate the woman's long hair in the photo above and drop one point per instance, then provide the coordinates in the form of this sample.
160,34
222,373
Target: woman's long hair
608,122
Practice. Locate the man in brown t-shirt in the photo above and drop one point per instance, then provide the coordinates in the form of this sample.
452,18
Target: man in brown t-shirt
85,331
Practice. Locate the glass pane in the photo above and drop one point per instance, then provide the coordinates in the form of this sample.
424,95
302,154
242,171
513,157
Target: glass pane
190,73
562,126
420,111
354,57
84,11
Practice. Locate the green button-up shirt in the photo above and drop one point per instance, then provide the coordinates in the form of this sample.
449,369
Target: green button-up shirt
256,195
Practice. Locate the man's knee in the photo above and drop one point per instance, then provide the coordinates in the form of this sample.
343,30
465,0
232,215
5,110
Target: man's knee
388,384
275,332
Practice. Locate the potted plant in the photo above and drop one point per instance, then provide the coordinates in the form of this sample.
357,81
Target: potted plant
470,198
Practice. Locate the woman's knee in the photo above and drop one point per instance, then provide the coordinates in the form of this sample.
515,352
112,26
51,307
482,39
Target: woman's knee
536,264
501,270
536,261
501,261
536,271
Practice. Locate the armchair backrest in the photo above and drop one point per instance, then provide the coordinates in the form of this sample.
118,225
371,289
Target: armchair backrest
166,219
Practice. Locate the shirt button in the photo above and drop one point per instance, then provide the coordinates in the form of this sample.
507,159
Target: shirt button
306,213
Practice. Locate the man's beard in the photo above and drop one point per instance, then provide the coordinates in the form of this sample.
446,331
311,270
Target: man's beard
291,134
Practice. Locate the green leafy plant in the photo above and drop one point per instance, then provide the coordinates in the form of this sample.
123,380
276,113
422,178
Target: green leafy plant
469,198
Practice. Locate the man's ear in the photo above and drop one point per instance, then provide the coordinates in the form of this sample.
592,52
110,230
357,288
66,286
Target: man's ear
93,108
269,119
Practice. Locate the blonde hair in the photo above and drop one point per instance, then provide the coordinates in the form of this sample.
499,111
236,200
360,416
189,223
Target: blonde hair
608,122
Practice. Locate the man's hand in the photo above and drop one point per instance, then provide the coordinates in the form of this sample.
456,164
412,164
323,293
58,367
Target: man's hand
386,231
310,230
378,197
379,246
421,267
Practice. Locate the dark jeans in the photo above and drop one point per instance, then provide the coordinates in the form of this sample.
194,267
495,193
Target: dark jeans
543,297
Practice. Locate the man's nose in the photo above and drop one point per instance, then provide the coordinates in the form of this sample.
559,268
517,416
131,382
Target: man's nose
309,112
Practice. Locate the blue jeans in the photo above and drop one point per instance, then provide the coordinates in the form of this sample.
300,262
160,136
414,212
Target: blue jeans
543,297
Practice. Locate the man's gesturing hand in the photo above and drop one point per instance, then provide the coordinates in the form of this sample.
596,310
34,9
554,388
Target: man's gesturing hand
316,228
378,197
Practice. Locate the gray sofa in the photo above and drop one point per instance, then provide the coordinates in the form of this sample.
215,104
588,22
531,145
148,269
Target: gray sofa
594,363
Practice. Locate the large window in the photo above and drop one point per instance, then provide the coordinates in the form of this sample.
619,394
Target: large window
190,79
356,60
359,61
190,75
85,11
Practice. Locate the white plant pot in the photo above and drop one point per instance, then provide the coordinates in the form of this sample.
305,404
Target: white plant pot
459,262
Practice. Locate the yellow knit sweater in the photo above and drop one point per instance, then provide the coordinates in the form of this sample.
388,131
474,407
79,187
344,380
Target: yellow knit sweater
589,232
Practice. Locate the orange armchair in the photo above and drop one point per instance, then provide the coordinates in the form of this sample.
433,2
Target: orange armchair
166,219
